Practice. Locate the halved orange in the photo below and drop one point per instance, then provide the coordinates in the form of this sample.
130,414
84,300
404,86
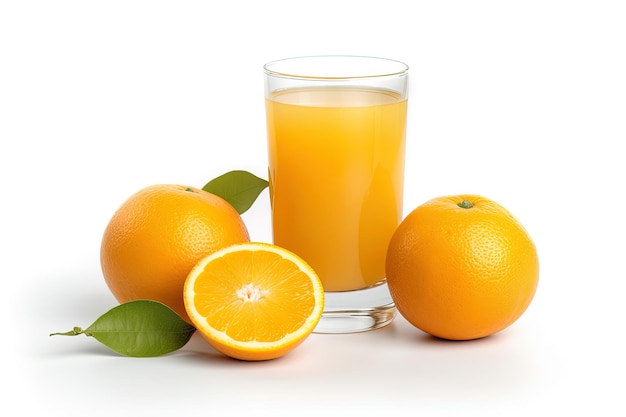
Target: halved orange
254,301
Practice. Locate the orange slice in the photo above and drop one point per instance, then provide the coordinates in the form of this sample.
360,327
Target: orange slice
254,301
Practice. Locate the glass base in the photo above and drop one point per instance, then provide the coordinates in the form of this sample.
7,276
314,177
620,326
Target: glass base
357,311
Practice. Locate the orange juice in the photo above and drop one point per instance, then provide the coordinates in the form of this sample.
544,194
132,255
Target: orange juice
336,163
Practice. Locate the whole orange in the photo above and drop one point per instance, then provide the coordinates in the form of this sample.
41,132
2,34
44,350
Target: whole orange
157,236
461,267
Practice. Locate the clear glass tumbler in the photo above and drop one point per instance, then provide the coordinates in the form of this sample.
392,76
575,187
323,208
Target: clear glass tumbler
336,143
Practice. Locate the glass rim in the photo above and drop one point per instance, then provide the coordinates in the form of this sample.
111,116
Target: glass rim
335,67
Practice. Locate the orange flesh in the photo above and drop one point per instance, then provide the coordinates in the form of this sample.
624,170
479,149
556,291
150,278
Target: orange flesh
254,296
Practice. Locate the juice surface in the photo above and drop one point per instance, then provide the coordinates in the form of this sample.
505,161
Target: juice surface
336,164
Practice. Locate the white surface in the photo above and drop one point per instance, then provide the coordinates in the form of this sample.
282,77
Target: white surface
523,102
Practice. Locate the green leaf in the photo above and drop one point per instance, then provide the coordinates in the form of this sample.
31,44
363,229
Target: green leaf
141,328
239,188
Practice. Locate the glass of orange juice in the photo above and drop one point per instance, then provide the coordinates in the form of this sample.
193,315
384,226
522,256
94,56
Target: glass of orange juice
336,148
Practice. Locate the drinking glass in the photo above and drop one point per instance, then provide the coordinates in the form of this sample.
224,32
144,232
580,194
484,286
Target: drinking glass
336,149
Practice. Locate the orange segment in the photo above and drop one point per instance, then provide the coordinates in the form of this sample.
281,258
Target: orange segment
254,301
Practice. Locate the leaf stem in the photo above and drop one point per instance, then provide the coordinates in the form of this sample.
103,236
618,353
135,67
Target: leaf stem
75,331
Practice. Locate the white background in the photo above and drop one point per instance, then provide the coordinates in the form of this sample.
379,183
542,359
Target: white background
523,102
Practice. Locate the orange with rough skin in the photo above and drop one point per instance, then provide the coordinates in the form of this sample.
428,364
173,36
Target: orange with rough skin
461,267
156,237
